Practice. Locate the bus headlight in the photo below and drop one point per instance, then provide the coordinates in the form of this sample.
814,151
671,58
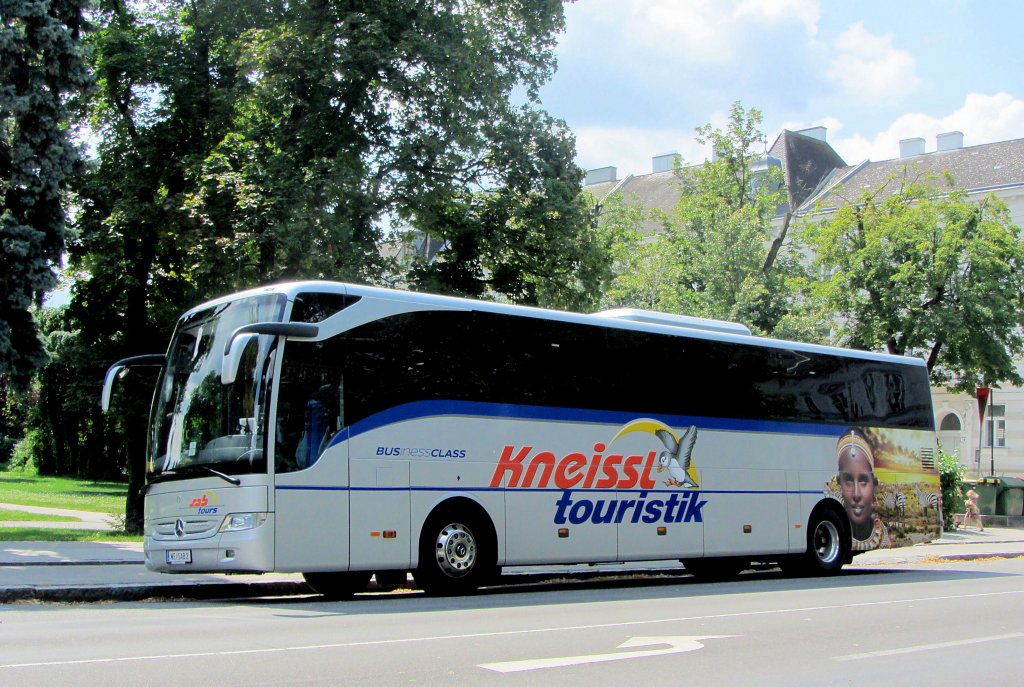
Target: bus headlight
237,522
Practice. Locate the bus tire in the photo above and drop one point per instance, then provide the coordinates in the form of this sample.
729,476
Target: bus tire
828,545
457,552
337,585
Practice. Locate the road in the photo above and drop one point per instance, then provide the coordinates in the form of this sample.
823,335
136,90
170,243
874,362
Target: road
956,623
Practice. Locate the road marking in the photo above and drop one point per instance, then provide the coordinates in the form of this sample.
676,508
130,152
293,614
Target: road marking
928,647
676,645
505,633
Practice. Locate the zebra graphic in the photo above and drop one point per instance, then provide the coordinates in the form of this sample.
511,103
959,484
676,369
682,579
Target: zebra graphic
895,501
927,499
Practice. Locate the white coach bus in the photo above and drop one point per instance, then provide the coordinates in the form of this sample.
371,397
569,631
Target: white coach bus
341,431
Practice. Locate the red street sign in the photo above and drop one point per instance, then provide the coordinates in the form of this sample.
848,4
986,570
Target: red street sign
983,393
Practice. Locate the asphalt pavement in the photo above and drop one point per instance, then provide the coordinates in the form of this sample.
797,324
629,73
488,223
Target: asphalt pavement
102,571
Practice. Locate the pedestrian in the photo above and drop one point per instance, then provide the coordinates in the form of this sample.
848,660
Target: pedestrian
972,510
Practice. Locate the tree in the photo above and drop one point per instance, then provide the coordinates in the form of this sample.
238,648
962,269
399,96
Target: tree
529,236
913,268
248,141
644,272
713,257
40,67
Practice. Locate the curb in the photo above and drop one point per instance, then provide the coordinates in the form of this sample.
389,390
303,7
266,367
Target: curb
198,592
252,590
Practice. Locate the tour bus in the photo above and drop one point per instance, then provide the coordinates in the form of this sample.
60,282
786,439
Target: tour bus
342,431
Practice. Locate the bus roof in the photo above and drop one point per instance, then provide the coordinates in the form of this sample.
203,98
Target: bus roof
625,318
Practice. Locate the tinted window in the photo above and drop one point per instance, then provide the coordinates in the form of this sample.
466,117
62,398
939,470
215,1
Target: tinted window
473,356
314,306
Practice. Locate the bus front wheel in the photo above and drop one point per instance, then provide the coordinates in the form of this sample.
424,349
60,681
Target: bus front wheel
337,585
456,553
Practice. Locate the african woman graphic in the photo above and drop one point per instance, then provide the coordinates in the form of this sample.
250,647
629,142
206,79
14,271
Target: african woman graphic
858,483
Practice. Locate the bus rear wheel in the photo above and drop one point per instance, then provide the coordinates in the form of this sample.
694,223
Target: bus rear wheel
337,585
456,553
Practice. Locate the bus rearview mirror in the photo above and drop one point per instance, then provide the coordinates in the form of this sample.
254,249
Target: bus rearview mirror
154,360
234,349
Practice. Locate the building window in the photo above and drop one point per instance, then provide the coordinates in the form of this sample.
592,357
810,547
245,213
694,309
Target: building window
950,423
995,426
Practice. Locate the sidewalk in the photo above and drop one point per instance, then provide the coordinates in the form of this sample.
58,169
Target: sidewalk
102,571
84,520
97,571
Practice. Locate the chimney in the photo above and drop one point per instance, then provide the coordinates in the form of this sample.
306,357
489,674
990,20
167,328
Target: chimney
951,140
817,132
665,162
911,146
600,175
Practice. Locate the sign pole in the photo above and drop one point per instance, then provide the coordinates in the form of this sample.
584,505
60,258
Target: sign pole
983,396
992,444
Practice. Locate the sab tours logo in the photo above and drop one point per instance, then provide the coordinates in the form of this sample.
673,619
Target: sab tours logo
525,468
206,503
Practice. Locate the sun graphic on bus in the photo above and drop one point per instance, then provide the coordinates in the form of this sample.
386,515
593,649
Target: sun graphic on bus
676,459
207,498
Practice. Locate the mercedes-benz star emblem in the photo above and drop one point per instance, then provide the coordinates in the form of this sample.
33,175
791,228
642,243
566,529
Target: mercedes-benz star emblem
179,527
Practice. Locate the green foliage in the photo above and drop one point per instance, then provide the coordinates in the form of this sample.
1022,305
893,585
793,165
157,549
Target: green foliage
713,256
916,268
246,141
529,237
644,273
13,404
7,444
40,65
23,457
951,480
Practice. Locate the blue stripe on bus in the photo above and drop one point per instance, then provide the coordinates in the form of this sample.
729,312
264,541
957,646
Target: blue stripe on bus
425,409
299,487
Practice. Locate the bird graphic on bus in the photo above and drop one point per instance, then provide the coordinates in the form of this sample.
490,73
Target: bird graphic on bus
677,458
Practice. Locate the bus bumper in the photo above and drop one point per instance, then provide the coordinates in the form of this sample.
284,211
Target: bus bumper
246,551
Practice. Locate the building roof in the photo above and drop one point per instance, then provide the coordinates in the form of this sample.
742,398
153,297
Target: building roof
818,179
806,162
655,191
976,169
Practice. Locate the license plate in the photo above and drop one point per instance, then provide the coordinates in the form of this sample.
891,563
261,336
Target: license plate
179,557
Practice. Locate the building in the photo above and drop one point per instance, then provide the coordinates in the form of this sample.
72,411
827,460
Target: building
818,181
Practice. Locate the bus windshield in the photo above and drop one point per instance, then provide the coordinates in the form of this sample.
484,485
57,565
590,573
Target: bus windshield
200,425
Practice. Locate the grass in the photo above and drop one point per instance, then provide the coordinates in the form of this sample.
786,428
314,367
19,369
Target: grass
14,515
27,489
53,534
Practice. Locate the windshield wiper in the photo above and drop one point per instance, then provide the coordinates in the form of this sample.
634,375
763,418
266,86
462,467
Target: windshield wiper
217,473
184,470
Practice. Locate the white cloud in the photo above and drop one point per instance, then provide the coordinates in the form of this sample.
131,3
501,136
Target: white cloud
694,28
982,119
808,12
869,68
704,31
831,124
630,149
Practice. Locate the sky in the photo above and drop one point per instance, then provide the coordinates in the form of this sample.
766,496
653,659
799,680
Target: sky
636,77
